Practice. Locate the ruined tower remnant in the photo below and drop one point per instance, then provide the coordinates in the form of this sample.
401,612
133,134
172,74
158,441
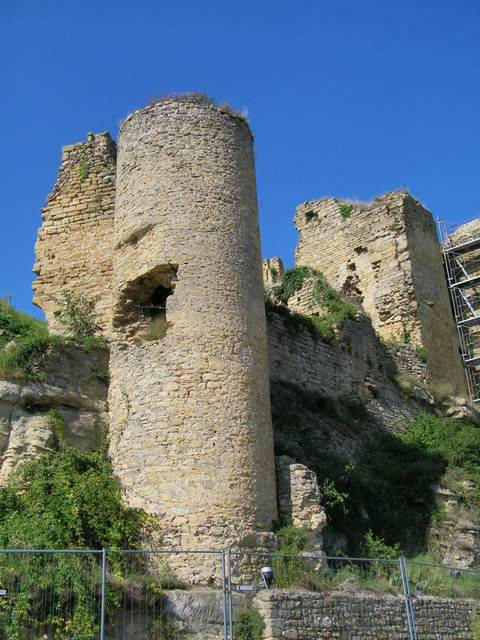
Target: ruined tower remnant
386,255
74,248
190,424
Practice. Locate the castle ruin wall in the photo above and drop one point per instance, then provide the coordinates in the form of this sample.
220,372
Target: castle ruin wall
190,423
355,364
385,255
74,248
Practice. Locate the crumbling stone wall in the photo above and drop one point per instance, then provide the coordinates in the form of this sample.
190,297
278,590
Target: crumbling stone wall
75,242
299,500
386,256
190,423
355,364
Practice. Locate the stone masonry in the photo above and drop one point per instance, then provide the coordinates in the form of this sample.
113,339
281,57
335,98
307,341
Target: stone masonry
190,420
170,241
75,242
299,615
386,256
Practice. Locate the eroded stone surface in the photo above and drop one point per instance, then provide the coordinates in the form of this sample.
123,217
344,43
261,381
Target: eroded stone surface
72,389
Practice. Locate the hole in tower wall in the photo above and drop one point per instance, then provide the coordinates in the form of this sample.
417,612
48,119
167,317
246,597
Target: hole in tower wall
158,301
142,308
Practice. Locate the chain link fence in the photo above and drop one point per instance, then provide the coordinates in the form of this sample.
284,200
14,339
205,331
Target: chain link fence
138,595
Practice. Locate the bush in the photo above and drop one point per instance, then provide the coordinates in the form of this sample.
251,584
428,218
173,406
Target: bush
457,442
14,324
78,314
22,359
292,281
336,309
249,625
67,500
64,500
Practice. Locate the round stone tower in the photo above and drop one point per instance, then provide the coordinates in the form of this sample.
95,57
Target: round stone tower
190,426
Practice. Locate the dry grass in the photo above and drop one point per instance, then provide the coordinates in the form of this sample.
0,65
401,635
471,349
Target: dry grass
198,97
156,329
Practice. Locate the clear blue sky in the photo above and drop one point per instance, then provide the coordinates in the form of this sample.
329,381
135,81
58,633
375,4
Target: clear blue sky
346,98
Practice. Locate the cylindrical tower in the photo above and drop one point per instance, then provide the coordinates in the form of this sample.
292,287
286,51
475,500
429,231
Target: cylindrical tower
191,434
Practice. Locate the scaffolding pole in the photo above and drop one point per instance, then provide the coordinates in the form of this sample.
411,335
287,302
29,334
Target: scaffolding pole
463,279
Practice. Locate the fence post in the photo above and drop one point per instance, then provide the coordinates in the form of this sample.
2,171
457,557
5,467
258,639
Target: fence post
229,591
224,597
102,602
408,599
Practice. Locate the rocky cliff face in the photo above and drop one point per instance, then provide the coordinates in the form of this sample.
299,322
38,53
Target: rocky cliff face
69,403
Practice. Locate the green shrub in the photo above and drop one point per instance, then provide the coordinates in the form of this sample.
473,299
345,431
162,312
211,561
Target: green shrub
421,353
346,210
67,500
78,314
457,442
14,323
336,309
22,359
274,273
377,548
84,166
292,540
64,500
102,374
292,281
56,423
165,628
248,625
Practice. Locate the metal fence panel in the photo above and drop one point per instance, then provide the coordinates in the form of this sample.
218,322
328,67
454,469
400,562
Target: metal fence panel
330,597
147,599
445,600
50,595
148,595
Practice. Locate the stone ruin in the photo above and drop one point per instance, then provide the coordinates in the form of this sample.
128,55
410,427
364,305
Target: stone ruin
165,229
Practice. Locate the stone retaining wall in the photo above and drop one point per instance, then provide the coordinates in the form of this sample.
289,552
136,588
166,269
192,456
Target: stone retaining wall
296,615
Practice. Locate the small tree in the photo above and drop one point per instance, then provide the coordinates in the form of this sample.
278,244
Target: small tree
78,314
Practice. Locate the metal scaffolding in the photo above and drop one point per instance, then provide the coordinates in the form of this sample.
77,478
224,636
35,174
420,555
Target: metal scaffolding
462,266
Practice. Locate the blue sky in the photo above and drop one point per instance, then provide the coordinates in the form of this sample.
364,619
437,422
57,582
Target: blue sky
346,98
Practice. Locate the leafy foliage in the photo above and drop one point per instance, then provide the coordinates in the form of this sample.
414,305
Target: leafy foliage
14,323
336,309
64,500
23,342
67,500
386,495
458,443
455,443
165,628
249,625
274,273
292,281
78,314
346,210
84,166
292,540
376,547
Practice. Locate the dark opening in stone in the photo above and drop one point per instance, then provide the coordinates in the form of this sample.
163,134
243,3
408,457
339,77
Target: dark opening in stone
158,302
